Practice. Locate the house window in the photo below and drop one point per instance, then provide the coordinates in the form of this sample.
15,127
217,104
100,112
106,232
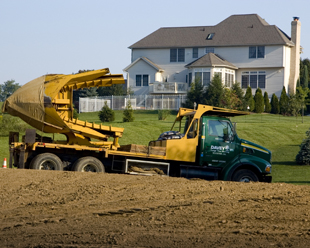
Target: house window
142,80
205,78
254,79
210,36
177,55
262,79
145,80
256,52
198,77
229,78
138,80
195,52
209,49
245,80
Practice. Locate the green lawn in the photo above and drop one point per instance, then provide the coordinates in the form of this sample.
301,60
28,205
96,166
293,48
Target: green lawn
281,135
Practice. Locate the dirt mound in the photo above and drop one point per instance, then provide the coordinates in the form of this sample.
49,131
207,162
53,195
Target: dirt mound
68,209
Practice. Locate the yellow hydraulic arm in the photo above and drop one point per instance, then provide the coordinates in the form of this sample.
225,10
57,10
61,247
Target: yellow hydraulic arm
46,103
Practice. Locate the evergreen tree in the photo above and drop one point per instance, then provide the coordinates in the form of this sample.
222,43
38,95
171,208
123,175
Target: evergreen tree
275,108
305,81
298,100
267,103
230,99
128,113
259,101
195,94
214,92
248,100
303,156
106,114
236,88
284,102
114,90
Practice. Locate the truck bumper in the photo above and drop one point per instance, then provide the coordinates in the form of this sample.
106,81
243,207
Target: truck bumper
267,179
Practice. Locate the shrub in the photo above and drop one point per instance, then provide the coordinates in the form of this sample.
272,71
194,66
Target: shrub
284,102
267,103
214,92
106,114
275,108
248,100
75,114
303,156
128,113
236,88
195,94
163,114
259,101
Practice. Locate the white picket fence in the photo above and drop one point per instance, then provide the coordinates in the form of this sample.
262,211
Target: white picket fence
93,104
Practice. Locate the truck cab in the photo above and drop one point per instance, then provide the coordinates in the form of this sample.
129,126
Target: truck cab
210,147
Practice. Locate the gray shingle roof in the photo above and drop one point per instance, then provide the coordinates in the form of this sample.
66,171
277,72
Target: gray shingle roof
210,60
236,30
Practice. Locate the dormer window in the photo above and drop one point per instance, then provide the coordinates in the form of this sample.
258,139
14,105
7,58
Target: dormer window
210,36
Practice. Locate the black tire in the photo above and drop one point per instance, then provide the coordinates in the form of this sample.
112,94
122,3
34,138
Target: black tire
245,176
88,164
46,161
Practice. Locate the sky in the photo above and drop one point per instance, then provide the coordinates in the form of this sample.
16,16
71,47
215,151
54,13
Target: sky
39,37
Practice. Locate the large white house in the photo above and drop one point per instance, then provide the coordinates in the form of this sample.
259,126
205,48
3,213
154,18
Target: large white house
242,48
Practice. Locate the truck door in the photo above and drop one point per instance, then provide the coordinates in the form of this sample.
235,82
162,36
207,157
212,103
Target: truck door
218,147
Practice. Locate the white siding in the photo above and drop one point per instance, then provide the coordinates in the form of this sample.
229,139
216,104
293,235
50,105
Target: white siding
239,56
173,71
274,80
140,68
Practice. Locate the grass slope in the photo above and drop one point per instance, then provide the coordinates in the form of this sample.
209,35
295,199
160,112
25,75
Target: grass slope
281,135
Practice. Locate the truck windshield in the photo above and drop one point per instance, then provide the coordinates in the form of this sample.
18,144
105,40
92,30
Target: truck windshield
220,128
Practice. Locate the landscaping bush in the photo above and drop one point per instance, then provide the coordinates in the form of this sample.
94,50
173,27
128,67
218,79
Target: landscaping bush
106,114
128,113
267,103
259,101
275,108
303,156
75,114
163,114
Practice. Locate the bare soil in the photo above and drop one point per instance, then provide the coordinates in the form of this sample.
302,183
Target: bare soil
73,209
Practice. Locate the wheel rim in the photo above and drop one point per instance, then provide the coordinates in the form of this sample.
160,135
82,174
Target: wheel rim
245,179
89,168
47,165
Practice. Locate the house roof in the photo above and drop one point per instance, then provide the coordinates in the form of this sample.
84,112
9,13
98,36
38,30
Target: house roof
211,60
236,30
146,60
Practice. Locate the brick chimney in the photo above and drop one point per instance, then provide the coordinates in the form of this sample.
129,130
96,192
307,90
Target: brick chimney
295,55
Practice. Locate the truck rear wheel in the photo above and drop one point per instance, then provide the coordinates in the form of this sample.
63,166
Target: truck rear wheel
46,161
245,176
88,164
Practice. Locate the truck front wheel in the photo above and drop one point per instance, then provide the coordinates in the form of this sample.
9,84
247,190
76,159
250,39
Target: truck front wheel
88,164
245,176
46,161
